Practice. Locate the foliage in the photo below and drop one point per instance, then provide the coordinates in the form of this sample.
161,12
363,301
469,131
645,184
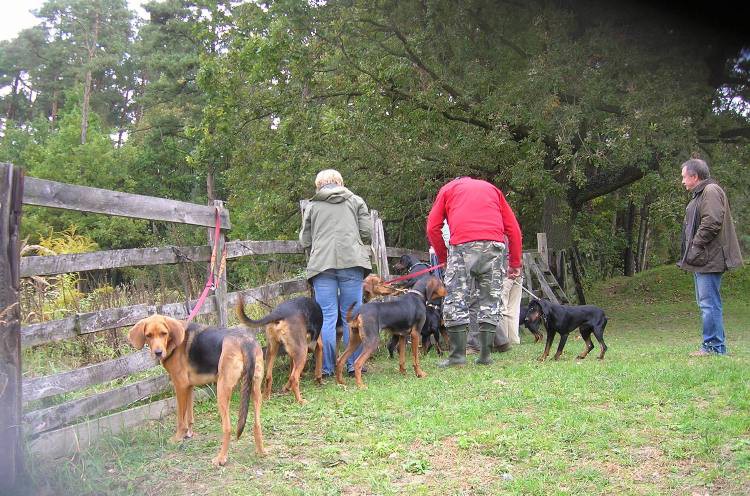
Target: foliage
577,110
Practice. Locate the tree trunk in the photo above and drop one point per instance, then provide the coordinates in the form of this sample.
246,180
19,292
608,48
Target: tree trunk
628,262
91,45
210,188
85,107
643,231
55,106
575,266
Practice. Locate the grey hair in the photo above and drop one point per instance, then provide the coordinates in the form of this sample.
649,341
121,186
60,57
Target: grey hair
328,176
697,167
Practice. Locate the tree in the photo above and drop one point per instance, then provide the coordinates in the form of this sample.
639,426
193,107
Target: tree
94,35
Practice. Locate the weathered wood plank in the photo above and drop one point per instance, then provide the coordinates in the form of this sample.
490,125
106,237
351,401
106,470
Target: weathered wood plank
65,382
112,259
398,252
79,437
46,193
546,289
11,453
66,413
113,318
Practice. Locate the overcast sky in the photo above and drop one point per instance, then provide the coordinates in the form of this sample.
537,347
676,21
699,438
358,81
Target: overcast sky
15,15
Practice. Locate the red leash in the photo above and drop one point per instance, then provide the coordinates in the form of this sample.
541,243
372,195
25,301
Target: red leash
210,282
415,274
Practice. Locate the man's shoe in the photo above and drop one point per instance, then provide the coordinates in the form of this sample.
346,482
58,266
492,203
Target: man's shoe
457,357
351,372
485,336
503,348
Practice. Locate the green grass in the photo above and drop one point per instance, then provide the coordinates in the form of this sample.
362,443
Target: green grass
649,419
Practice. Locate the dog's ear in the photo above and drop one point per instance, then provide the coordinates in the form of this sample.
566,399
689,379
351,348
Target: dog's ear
545,305
176,333
137,336
434,289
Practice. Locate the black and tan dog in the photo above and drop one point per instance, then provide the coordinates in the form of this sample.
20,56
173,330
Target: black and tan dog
563,319
433,325
401,316
296,325
194,355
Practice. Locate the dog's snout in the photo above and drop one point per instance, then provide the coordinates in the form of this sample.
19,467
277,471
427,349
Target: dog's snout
158,353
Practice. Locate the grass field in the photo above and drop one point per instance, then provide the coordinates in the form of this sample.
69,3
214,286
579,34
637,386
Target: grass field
648,419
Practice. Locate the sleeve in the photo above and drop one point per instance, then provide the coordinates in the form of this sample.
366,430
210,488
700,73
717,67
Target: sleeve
364,222
435,226
305,232
512,232
711,216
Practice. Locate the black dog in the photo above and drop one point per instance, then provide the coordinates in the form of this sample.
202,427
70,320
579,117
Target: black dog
563,319
523,322
433,325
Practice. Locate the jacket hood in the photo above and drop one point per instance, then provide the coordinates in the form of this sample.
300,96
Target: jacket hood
332,194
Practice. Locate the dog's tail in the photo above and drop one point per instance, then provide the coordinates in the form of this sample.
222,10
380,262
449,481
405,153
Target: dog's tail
240,310
248,375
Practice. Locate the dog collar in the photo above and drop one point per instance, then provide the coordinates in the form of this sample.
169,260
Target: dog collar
415,292
418,263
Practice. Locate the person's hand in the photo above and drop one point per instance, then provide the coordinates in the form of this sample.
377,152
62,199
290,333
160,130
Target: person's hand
514,272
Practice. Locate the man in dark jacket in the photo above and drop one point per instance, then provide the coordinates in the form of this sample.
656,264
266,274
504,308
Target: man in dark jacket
709,248
480,221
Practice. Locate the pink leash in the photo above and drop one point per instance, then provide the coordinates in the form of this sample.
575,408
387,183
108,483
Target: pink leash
210,282
415,274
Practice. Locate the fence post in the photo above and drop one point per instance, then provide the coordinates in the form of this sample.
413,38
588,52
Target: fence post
541,243
12,468
220,294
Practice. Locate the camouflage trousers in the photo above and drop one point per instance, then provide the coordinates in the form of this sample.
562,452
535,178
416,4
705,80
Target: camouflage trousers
474,280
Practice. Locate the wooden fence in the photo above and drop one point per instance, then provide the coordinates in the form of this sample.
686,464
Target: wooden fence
57,430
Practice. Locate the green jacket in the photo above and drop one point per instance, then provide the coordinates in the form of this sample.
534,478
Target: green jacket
335,227
709,240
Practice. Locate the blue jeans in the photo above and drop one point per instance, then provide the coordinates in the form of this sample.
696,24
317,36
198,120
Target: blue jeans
707,294
335,291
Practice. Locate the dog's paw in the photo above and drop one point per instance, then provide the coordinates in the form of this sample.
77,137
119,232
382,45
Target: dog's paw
421,374
219,461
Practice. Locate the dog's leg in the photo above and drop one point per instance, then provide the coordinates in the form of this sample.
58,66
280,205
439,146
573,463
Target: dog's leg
354,341
299,357
561,345
402,354
586,335
273,349
599,334
230,371
181,393
257,401
415,338
367,349
319,360
547,345
446,338
189,413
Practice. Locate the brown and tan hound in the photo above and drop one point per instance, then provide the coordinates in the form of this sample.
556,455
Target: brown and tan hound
295,324
194,355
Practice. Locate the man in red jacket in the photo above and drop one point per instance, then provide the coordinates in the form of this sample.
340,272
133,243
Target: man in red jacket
480,221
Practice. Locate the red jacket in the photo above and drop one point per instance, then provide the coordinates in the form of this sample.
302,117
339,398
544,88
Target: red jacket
476,211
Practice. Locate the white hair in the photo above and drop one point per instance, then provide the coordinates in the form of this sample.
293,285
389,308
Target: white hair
328,176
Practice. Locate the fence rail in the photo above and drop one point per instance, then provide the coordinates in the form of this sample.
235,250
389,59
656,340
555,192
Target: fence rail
44,193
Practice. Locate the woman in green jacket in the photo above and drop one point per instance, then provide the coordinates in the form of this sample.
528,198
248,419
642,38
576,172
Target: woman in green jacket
336,229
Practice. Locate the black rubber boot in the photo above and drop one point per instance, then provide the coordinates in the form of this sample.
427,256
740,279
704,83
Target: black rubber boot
458,350
485,340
